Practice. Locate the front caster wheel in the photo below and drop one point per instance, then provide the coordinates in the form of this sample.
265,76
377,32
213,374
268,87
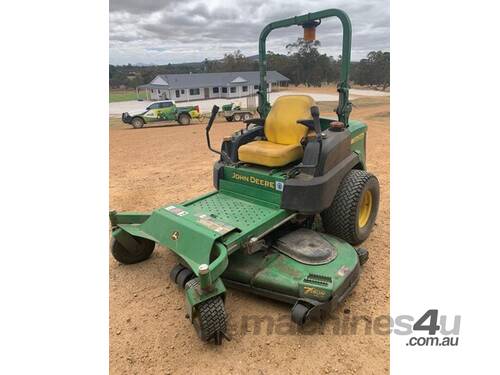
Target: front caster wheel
210,320
123,255
181,275
362,255
175,271
300,314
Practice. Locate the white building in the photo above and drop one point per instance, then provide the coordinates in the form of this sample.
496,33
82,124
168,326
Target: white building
196,86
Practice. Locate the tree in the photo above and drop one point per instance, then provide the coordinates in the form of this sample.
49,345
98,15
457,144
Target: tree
311,67
283,64
303,64
374,70
236,62
305,59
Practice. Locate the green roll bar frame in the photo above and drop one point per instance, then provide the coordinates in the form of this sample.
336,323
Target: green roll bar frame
344,107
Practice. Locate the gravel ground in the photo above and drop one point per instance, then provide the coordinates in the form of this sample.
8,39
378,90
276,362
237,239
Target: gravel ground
154,166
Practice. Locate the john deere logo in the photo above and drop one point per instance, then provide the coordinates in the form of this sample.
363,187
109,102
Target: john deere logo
174,236
253,180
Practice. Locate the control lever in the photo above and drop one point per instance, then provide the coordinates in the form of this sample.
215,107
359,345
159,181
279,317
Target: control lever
215,110
313,146
316,122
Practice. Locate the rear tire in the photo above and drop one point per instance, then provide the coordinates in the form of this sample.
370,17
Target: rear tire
237,117
137,122
126,256
247,116
353,211
184,119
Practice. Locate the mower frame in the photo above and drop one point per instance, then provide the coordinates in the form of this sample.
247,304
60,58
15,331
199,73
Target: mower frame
344,107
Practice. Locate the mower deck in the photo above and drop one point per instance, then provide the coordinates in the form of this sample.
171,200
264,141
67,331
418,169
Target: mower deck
277,276
227,221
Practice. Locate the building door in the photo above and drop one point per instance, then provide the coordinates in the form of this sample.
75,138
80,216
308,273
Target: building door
207,92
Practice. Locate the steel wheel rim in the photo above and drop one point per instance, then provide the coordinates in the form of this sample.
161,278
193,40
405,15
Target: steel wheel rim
365,209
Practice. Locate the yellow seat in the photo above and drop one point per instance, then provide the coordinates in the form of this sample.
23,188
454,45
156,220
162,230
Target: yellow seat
282,132
269,154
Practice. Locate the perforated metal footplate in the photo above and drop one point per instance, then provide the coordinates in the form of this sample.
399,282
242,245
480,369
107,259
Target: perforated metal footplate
239,213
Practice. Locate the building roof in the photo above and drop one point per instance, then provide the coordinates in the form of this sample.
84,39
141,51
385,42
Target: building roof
197,80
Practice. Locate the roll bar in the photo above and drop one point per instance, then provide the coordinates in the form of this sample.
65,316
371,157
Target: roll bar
344,107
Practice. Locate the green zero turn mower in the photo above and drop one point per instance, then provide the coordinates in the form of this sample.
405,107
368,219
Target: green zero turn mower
292,198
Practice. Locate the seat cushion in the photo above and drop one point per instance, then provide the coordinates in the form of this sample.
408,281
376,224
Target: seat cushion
281,123
269,154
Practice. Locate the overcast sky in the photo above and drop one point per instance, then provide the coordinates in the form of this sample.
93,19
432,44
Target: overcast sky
172,31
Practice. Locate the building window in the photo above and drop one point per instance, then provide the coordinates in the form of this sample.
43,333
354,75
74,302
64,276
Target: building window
158,91
182,91
215,90
233,90
256,87
244,88
177,93
224,90
194,91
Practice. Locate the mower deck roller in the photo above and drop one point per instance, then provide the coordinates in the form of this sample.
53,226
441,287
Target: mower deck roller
292,198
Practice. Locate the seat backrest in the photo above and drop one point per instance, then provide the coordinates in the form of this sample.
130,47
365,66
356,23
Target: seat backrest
281,123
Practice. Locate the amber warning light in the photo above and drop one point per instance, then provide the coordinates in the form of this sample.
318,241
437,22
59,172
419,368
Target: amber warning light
310,30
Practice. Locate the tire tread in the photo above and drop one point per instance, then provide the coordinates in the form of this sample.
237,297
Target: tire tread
122,255
212,317
340,218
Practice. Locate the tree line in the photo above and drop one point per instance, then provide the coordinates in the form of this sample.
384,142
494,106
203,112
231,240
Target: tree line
303,64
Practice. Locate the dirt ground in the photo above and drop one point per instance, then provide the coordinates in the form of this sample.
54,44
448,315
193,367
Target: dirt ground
153,166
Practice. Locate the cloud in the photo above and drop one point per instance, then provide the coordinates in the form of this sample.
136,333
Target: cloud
172,31
139,7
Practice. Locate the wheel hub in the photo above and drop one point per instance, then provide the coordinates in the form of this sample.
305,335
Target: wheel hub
365,209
